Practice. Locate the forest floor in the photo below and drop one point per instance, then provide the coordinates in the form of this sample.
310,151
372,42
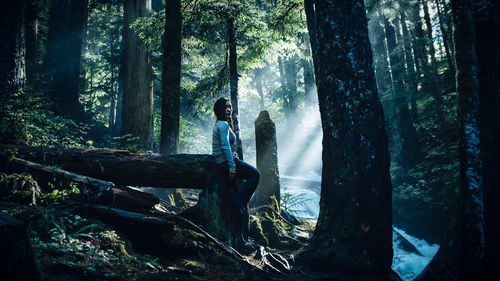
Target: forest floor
70,244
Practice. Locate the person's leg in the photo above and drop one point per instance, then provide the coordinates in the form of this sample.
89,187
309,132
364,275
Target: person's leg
252,176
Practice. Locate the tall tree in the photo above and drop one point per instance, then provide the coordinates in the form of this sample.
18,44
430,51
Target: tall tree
67,26
12,48
137,111
171,79
233,81
487,26
353,233
471,186
307,66
432,52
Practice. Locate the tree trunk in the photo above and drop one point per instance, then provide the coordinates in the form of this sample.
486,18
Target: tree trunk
284,88
123,167
311,27
258,85
12,47
309,84
437,88
18,263
419,43
487,25
137,112
67,25
233,81
446,44
267,162
171,79
409,151
410,70
291,83
32,42
353,233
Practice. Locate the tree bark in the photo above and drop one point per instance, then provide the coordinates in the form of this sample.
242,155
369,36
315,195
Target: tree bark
12,47
18,263
137,111
353,233
487,24
309,84
471,179
437,88
309,8
67,25
171,79
233,82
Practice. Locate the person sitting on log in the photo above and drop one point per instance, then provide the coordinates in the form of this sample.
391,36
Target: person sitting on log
228,161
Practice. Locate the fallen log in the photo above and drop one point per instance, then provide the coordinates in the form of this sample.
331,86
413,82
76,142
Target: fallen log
99,191
214,209
122,167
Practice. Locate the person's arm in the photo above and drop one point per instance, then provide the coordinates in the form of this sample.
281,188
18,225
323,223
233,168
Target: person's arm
224,144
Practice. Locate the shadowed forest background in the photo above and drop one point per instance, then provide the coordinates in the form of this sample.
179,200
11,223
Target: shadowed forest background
374,124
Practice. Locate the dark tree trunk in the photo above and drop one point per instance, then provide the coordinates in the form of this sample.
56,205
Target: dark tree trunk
309,84
291,83
233,82
171,79
472,250
267,162
311,27
437,88
12,46
67,25
353,233
32,26
487,25
137,111
382,74
409,151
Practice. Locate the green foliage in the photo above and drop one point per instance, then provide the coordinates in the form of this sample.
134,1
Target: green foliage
28,118
295,204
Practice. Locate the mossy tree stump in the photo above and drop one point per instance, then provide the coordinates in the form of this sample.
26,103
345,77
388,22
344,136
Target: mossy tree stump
267,162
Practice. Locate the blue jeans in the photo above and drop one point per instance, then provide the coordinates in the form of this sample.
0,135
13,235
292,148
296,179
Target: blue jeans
249,173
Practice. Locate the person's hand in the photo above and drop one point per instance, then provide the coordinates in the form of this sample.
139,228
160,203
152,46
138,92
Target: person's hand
232,174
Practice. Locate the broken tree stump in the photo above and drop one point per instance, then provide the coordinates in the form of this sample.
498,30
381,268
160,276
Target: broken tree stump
267,162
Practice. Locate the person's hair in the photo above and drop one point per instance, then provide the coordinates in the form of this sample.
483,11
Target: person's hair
220,111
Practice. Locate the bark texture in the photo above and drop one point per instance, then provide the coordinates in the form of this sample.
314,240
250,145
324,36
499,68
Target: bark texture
267,162
137,111
123,167
353,233
12,46
233,82
171,79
